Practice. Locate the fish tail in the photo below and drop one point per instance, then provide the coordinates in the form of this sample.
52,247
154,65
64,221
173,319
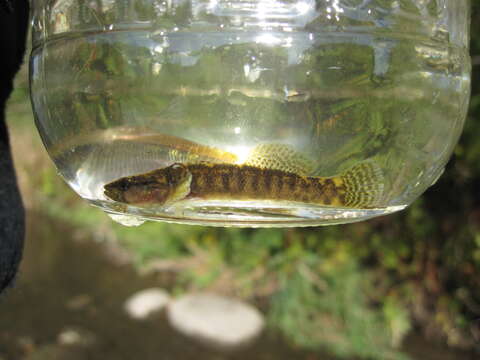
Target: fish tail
364,185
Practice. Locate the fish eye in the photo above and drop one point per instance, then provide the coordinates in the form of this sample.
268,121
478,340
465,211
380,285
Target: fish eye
124,185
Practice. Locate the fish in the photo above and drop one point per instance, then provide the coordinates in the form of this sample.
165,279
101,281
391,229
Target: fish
360,186
177,149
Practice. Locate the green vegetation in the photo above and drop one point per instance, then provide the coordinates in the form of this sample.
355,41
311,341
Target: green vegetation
356,290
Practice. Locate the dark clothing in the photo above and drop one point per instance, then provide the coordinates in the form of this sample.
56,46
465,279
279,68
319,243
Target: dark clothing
14,17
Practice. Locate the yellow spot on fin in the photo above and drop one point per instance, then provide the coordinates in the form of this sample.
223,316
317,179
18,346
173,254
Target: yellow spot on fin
364,185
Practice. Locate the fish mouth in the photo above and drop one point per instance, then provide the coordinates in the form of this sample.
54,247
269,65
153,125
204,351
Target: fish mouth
113,190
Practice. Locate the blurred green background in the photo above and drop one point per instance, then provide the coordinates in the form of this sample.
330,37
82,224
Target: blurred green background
355,291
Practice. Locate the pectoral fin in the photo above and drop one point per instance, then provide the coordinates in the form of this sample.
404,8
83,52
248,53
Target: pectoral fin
180,192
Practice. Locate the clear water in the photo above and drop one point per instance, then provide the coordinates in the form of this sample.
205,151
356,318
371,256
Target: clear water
119,103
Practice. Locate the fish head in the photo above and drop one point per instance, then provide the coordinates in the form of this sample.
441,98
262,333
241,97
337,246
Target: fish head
158,187
115,190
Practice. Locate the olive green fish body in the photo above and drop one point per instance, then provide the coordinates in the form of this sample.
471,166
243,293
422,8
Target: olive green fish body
359,187
227,181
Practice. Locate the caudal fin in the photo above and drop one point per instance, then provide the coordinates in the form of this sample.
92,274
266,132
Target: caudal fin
364,185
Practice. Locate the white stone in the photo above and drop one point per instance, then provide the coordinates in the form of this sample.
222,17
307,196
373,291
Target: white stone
216,320
75,336
146,302
69,337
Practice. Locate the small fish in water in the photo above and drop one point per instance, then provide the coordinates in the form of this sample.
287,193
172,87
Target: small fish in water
361,186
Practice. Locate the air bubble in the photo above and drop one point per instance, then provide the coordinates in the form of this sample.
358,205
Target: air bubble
126,220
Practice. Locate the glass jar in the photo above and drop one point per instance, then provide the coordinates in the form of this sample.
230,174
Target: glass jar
250,112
